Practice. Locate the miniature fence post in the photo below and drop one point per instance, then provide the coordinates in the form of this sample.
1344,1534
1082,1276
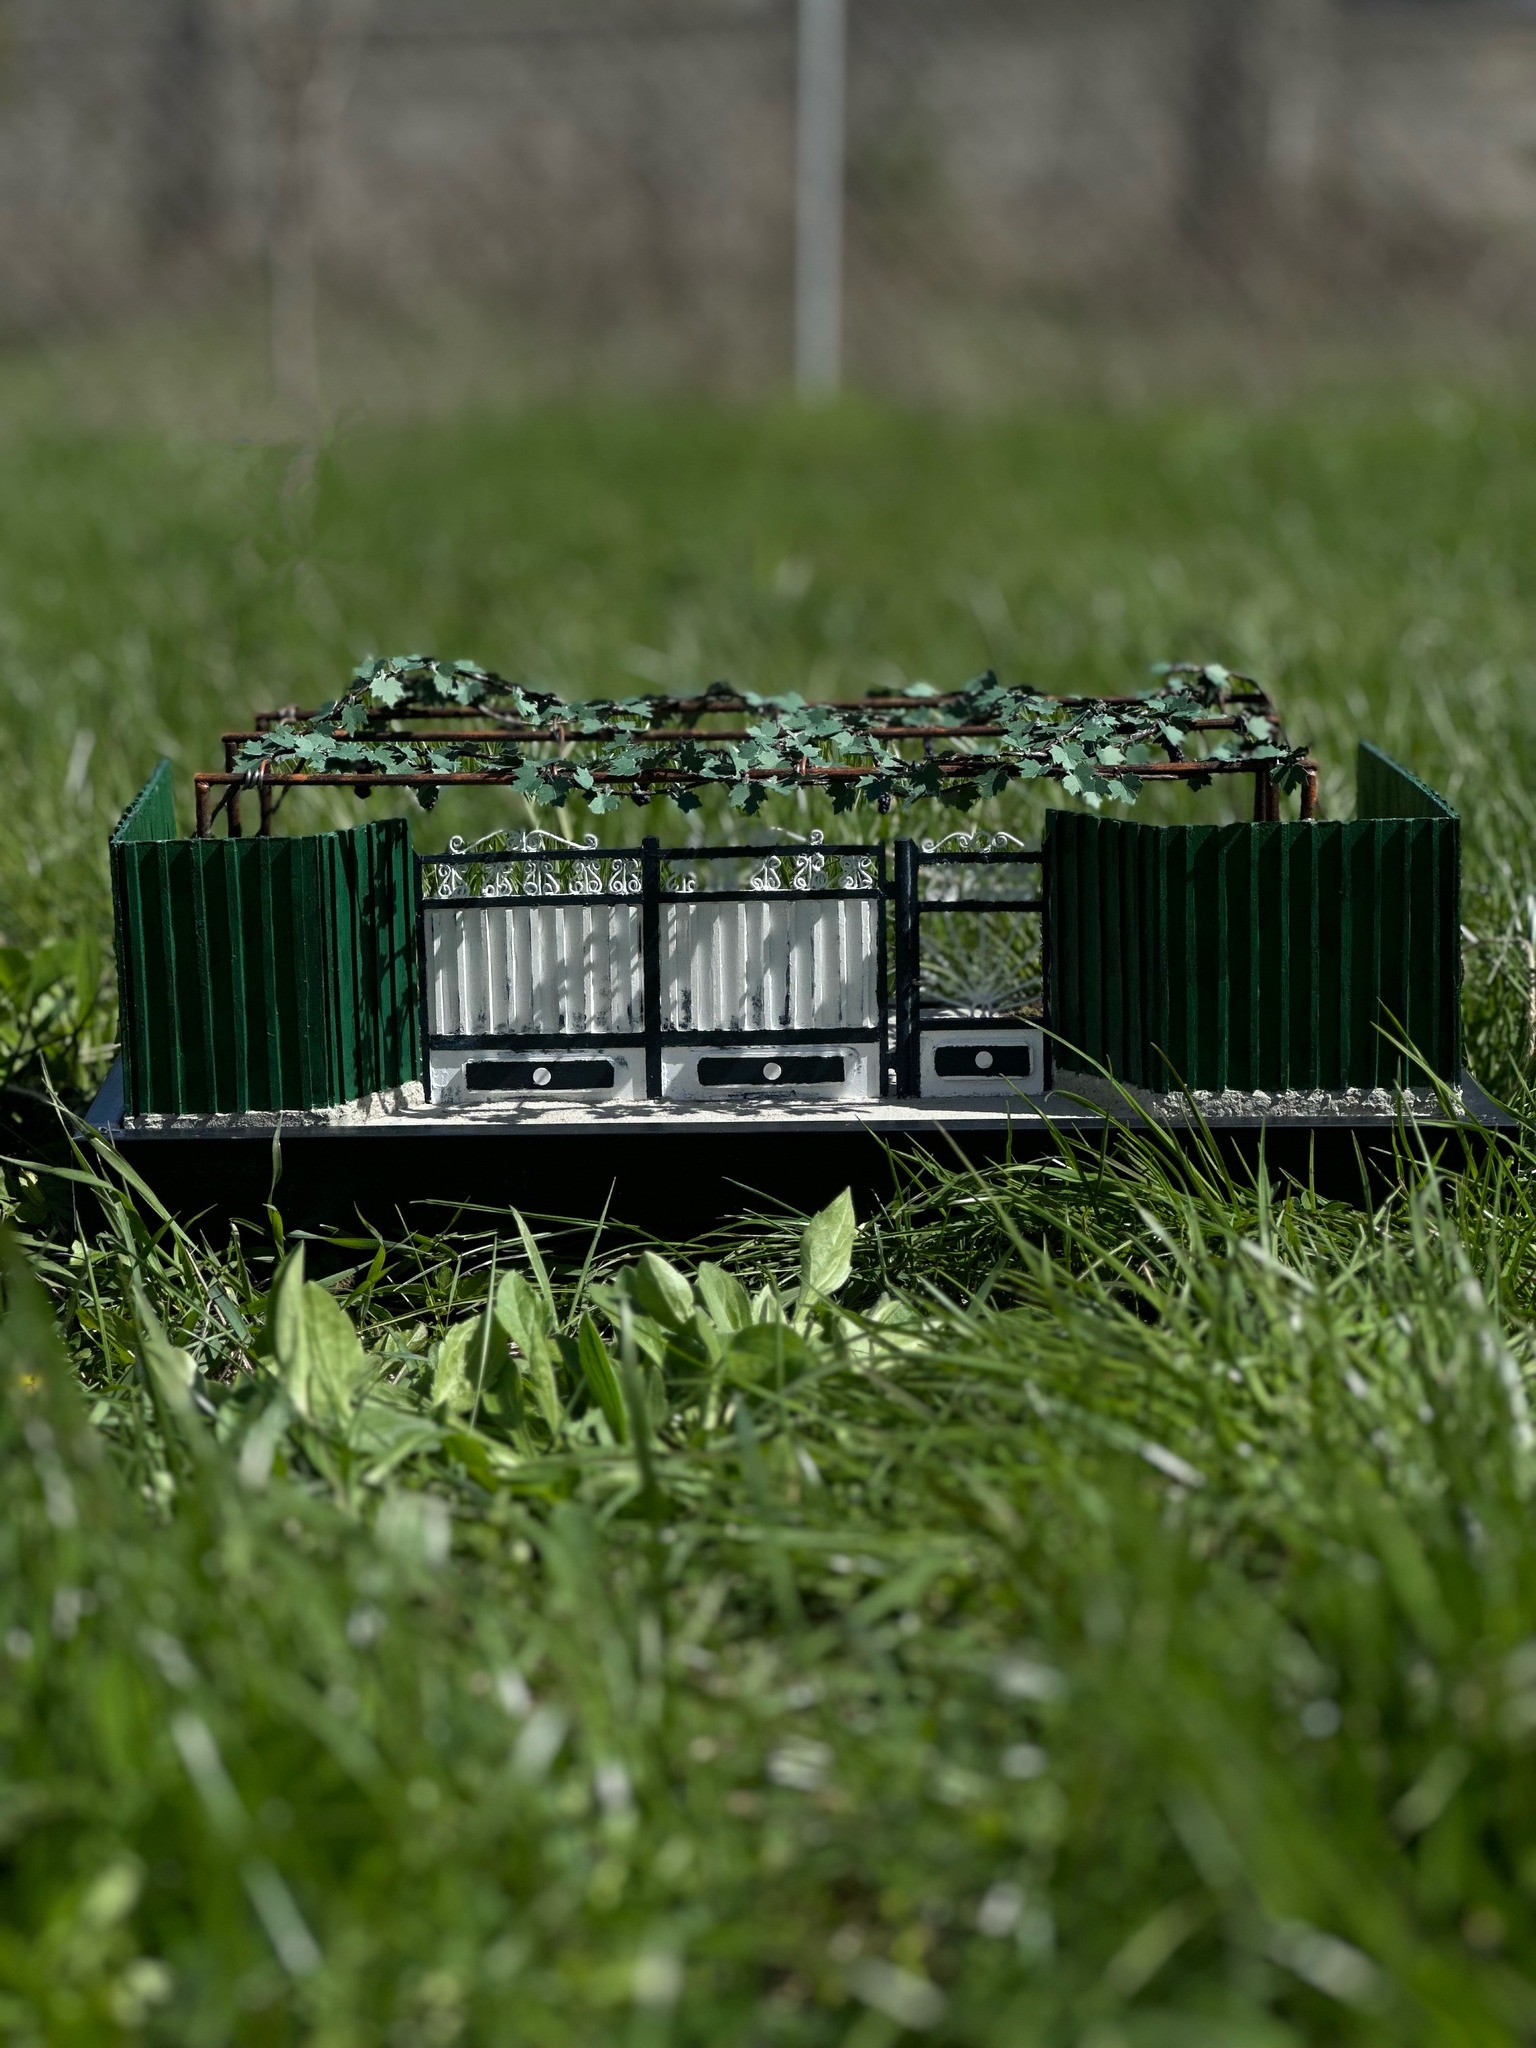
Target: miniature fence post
650,959
423,970
908,970
1047,965
883,976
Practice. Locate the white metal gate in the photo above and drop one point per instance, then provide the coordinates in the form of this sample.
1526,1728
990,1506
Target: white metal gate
566,970
550,971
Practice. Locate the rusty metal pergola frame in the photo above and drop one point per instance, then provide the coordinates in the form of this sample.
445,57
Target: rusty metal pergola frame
271,785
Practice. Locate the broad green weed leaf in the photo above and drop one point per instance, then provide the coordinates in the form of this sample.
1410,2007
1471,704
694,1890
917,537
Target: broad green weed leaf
527,1318
598,1371
389,1435
472,1373
767,1353
524,1314
474,1455
536,1263
452,1386
169,1370
320,1359
724,1297
685,1359
539,1371
826,1249
661,1291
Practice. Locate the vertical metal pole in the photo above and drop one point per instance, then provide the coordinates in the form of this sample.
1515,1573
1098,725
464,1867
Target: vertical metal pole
424,970
650,962
908,972
882,973
1047,962
819,149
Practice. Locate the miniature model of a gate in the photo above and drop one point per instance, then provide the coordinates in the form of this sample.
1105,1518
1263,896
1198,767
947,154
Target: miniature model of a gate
304,973
550,969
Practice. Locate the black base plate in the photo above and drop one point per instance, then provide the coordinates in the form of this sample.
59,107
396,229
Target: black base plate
680,1174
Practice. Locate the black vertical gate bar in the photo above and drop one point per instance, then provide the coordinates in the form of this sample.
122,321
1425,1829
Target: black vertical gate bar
1048,1059
908,971
650,962
419,867
882,970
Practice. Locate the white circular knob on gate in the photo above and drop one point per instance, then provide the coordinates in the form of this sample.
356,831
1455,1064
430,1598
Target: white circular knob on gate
983,1059
773,1071
542,1077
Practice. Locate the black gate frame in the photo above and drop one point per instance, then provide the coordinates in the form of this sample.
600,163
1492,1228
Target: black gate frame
911,909
652,1036
900,899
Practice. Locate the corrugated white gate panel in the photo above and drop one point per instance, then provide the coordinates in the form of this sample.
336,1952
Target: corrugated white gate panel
548,968
775,964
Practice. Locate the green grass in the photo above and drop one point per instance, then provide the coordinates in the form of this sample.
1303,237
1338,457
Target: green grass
1094,1604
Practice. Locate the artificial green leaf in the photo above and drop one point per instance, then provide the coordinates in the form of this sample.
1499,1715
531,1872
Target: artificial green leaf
786,731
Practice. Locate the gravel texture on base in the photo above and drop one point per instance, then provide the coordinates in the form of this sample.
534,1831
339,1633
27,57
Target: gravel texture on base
1074,1095
384,1107
1290,1105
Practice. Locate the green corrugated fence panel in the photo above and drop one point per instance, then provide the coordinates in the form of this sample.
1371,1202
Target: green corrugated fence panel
1384,788
393,960
1256,956
261,973
152,814
373,1025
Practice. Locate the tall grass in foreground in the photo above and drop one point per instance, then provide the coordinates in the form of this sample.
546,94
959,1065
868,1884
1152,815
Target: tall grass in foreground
1095,1603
